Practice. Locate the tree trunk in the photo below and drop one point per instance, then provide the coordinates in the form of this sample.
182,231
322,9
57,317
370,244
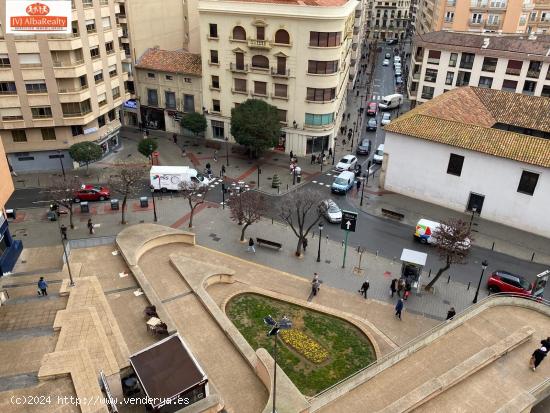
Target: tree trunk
299,246
192,212
123,220
439,273
70,208
244,229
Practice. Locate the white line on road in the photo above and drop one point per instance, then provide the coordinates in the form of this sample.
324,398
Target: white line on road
41,202
314,182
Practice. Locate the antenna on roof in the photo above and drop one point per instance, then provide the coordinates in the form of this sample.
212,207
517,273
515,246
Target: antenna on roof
485,44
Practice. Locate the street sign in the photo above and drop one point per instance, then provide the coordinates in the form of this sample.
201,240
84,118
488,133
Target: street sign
349,220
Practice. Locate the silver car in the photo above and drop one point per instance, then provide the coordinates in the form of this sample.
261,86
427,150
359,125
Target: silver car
331,211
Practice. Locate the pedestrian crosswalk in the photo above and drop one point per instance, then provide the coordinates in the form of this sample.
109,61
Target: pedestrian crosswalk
376,98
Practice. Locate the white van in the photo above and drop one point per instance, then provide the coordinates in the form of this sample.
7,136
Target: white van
169,178
343,182
379,154
391,101
424,230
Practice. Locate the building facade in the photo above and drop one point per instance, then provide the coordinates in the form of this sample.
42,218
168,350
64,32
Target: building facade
539,17
503,16
301,59
61,89
441,61
494,156
389,19
169,85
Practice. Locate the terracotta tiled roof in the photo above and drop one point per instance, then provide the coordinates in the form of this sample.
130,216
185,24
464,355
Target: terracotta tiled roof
465,117
173,61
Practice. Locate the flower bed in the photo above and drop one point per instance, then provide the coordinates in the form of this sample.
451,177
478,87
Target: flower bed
304,345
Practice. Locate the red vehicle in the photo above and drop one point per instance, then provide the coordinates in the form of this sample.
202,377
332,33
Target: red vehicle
372,109
91,193
506,282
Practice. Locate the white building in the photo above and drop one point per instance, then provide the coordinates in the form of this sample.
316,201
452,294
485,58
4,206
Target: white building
475,148
443,60
300,58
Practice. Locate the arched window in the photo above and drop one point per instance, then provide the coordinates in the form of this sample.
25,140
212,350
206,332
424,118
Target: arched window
239,33
260,61
282,37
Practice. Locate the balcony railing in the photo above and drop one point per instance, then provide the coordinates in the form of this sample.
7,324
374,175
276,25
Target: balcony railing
238,68
68,64
476,22
533,73
77,114
276,72
513,71
72,89
11,118
259,44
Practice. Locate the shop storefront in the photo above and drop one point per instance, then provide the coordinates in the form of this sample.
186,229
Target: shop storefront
152,118
109,142
10,249
317,144
130,113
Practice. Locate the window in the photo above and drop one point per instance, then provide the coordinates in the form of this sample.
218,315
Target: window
98,76
239,61
110,47
431,75
280,90
509,85
322,67
282,37
493,19
534,69
449,16
240,85
455,164
76,109
282,115
214,56
427,92
11,114
213,30
102,99
463,78
187,79
4,60
312,119
19,135
150,75
170,100
486,82
239,33
528,182
116,92
111,115
188,103
77,130
489,64
433,57
321,95
152,97
477,18
529,87
467,60
545,91
41,112
260,88
215,82
36,86
260,33
106,22
101,120
90,26
8,88
453,59
514,67
112,71
259,61
449,78
169,77
30,59
94,52
217,129
48,134
325,39
216,106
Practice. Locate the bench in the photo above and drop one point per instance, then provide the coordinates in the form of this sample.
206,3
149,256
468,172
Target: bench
392,214
261,241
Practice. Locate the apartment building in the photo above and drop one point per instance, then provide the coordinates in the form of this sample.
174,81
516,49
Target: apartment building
389,19
60,89
502,16
539,17
169,85
441,61
301,58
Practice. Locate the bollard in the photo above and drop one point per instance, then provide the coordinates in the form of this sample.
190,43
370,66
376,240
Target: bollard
278,190
342,243
287,187
532,257
468,286
430,273
377,253
449,279
327,239
272,221
493,247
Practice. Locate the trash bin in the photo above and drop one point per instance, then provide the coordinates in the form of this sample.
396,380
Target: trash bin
298,178
114,204
52,216
10,213
84,207
144,202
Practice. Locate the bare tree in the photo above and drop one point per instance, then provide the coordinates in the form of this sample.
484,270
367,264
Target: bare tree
247,208
301,211
194,193
453,241
63,193
127,181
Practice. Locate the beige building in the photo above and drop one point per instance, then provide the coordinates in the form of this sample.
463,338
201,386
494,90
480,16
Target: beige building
169,85
58,90
6,189
299,58
502,16
441,61
389,19
539,18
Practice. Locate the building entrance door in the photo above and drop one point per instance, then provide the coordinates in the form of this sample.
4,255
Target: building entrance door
475,202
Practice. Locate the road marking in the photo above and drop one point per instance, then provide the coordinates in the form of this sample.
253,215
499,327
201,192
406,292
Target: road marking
314,182
328,185
321,183
41,202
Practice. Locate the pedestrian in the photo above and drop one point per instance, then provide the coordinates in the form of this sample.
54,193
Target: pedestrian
183,153
407,290
400,287
364,288
451,313
399,308
537,357
215,156
147,132
312,159
63,230
175,138
315,284
90,226
251,245
330,152
358,184
393,286
222,174
291,156
348,116
304,244
42,287
545,342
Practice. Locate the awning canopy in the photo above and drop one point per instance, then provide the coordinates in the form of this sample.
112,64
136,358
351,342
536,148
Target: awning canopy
167,369
414,257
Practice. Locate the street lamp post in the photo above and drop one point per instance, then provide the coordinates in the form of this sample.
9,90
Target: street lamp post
65,254
276,326
151,153
259,172
154,204
227,150
363,188
484,265
319,249
61,162
223,195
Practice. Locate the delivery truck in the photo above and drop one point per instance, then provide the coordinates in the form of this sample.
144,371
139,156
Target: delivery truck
169,178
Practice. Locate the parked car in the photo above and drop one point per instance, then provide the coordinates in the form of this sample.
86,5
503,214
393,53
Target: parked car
391,41
398,72
506,282
343,182
385,62
330,211
347,163
91,193
364,147
388,56
398,80
397,65
379,154
372,124
396,59
386,118
372,109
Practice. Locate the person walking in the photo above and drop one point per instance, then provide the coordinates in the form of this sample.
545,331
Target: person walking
537,357
251,245
222,173
358,184
364,288
63,230
393,286
399,308
545,343
90,226
304,244
312,159
315,284
215,156
451,313
175,138
42,287
330,152
291,156
400,287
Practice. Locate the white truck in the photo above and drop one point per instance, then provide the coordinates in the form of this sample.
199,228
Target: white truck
391,101
169,178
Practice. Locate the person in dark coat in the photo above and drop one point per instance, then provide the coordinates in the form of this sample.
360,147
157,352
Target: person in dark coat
399,308
304,244
546,343
291,156
358,184
400,287
175,138
537,357
251,245
90,226
315,284
43,286
393,286
364,288
451,313
330,152
63,230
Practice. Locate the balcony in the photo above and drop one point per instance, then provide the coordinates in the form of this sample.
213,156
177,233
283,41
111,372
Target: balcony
493,25
121,18
259,44
475,22
238,68
69,69
277,72
239,91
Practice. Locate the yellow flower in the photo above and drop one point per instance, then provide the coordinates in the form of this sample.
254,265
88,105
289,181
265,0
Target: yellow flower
304,345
